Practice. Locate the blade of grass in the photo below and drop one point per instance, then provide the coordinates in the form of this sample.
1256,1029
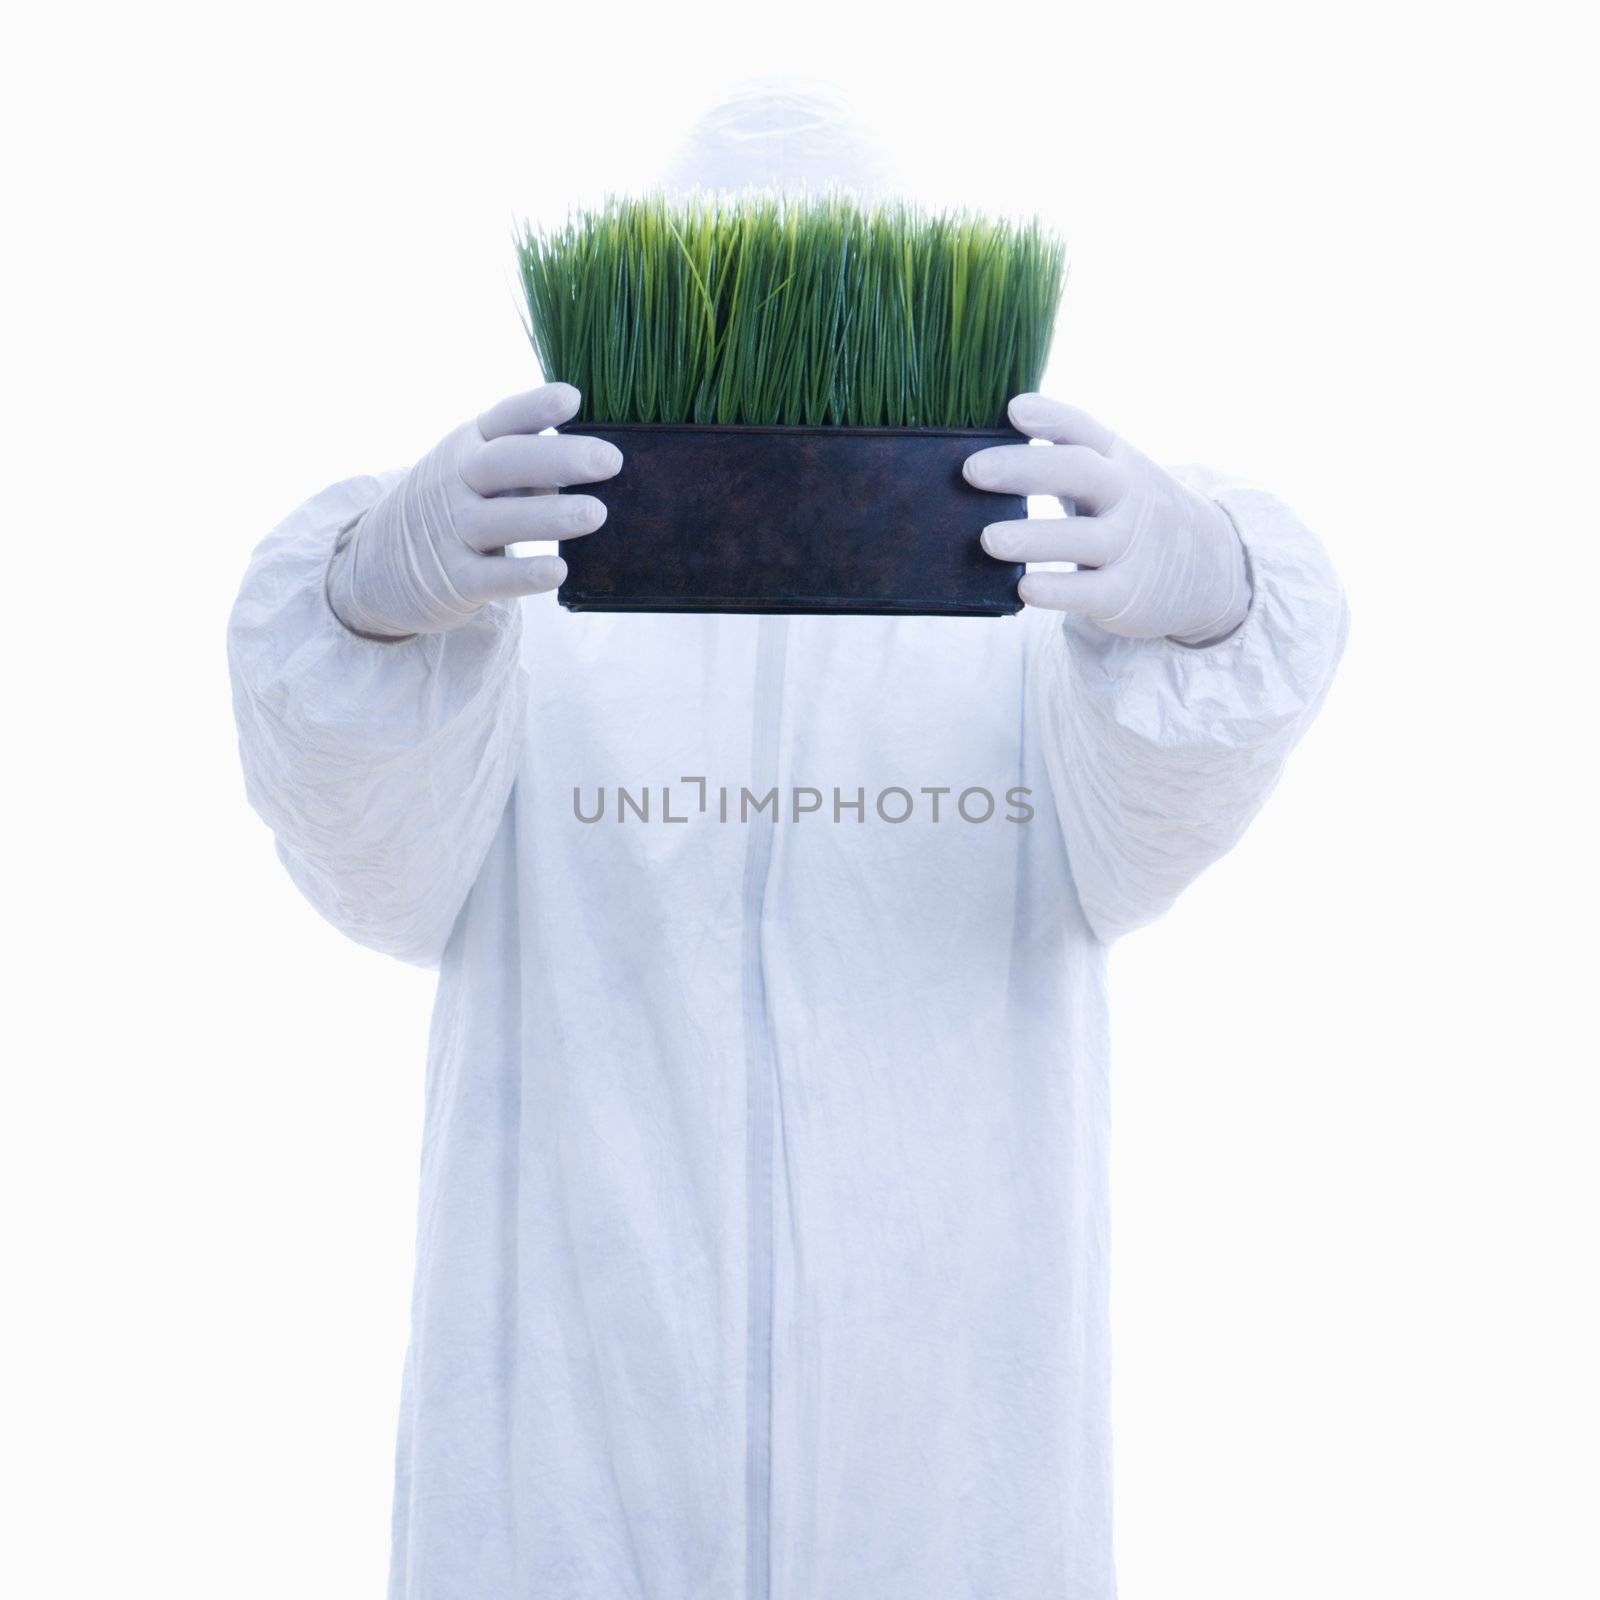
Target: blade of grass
788,311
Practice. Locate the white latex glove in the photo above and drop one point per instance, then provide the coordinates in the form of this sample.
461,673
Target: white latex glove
428,556
1155,559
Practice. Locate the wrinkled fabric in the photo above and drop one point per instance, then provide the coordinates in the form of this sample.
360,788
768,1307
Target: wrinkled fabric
762,1250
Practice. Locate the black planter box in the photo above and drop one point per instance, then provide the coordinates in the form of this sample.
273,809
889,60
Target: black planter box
870,521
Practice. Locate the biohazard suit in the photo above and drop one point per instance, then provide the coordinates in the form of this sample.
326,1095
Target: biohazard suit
762,1241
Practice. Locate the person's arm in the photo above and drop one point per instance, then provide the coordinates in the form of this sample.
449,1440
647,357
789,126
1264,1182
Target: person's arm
1161,751
374,650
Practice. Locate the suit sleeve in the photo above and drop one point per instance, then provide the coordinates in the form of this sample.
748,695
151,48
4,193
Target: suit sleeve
382,768
1159,754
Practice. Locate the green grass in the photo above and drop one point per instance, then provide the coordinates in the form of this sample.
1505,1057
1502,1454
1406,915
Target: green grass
814,311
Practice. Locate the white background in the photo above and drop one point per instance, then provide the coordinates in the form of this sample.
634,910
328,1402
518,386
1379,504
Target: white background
1343,253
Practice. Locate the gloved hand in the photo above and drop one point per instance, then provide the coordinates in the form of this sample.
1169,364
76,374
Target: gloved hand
428,556
1154,558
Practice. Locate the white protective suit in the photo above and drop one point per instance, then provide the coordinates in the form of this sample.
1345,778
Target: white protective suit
762,1245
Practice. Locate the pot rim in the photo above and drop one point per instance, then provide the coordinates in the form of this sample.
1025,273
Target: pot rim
792,428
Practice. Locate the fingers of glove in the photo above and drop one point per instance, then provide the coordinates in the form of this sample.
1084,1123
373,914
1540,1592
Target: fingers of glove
1071,470
533,412
1040,417
1089,541
517,519
508,577
1084,594
538,461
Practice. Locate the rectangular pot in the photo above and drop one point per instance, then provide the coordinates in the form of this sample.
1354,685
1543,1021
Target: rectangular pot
869,521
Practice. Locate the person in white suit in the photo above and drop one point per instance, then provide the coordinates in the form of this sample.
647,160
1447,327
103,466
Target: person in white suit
762,1251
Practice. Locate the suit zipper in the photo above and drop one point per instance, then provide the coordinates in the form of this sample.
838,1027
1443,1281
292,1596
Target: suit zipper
771,642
